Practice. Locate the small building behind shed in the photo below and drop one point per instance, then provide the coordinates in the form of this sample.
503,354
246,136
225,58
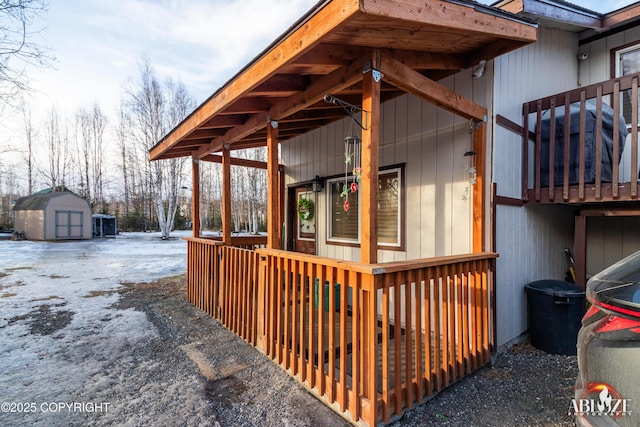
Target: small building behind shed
49,215
104,226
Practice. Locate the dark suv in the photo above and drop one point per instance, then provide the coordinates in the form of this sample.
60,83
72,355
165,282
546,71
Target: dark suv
608,385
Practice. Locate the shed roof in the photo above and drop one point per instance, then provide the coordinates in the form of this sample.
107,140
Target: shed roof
38,201
325,52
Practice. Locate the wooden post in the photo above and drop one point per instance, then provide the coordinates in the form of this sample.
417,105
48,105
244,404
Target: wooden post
580,250
195,196
479,202
273,188
226,196
370,162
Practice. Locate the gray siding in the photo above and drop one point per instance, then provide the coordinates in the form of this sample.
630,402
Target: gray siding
530,240
431,143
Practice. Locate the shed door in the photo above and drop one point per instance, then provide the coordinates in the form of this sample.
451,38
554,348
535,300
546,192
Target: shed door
69,225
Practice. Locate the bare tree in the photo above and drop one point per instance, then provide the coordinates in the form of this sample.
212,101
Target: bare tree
29,135
57,144
154,109
92,124
17,50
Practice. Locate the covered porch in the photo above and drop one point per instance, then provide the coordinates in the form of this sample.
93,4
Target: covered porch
370,339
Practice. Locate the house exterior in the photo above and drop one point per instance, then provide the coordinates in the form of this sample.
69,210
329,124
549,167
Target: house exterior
407,209
49,215
577,55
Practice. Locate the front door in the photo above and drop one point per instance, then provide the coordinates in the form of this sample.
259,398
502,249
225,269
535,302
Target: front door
304,221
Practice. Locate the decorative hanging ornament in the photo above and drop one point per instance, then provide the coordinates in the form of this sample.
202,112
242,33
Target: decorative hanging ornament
351,158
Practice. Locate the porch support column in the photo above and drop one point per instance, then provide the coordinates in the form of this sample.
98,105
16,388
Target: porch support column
195,196
370,163
273,188
226,196
479,190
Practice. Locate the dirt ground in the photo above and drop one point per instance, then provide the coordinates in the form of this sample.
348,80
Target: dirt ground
192,371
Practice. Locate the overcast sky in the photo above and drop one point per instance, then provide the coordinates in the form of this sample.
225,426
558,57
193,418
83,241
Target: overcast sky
203,43
98,45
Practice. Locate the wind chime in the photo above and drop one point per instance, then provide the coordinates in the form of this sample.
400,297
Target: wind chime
352,149
351,164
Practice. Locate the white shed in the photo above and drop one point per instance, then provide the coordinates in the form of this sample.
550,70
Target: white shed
50,215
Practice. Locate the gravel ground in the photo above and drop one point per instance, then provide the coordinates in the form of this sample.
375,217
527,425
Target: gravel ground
192,371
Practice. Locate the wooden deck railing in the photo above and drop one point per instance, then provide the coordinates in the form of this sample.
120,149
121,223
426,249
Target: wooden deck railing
223,282
595,161
371,340
377,339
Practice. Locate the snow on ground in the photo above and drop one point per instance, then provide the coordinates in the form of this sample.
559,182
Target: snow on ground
59,330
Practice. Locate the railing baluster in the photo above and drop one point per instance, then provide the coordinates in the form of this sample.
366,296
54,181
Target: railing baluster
384,375
417,276
538,149
598,153
567,147
581,144
407,278
552,148
615,179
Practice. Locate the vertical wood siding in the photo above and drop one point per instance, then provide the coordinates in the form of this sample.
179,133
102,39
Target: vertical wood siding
431,143
530,240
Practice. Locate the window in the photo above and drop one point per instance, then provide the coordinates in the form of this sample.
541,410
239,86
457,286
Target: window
627,61
344,226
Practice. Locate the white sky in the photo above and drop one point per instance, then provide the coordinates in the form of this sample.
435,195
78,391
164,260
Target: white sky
203,43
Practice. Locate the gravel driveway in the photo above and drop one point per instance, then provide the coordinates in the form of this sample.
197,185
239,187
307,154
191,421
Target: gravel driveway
139,354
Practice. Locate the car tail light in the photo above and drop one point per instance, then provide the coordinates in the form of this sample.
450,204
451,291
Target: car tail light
617,288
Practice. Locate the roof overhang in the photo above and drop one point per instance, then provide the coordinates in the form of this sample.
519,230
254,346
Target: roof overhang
568,16
325,52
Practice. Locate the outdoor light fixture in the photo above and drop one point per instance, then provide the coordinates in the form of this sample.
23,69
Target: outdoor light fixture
317,184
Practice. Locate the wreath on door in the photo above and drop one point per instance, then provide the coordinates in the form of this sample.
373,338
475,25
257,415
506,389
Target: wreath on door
305,209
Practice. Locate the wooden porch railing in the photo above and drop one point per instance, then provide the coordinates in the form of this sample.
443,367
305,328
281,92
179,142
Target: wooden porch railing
371,340
223,282
587,163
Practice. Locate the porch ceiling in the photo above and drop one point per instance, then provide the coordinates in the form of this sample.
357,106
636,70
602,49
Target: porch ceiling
324,53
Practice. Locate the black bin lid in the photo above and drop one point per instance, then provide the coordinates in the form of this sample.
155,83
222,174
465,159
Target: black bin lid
558,288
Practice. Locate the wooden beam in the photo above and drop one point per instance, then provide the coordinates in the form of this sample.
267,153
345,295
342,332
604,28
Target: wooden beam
370,164
195,197
273,188
429,60
415,83
620,16
316,91
226,197
235,161
452,16
479,199
294,45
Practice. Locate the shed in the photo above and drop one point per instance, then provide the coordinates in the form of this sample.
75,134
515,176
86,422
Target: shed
49,215
104,225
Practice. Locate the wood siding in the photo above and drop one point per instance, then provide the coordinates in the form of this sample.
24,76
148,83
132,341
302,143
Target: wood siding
530,240
430,143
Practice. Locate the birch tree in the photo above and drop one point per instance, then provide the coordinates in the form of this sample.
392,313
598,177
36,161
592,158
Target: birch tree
154,109
92,124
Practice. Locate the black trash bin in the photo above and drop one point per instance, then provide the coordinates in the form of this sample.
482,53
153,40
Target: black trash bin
555,309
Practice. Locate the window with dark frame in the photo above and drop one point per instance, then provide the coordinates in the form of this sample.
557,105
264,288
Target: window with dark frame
627,61
344,226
